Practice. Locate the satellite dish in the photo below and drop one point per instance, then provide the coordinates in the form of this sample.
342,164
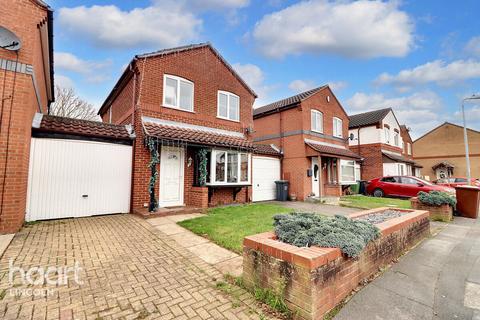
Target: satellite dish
8,40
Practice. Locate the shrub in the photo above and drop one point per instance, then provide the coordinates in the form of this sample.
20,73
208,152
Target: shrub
437,198
306,229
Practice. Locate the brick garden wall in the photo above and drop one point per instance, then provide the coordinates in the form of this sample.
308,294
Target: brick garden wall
22,17
437,213
314,280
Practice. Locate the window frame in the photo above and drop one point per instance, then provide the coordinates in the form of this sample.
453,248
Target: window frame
213,163
356,171
335,134
316,112
179,80
228,94
409,148
386,131
396,139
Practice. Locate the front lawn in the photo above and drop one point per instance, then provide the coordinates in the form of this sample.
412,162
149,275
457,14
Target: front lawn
227,226
365,202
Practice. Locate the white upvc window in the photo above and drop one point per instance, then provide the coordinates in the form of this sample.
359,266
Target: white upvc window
337,127
230,168
228,106
349,172
317,121
177,93
409,148
387,134
396,138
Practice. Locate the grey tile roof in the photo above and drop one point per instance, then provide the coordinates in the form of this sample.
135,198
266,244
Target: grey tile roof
285,103
368,118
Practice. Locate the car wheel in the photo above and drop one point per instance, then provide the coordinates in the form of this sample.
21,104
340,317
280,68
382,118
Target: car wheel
378,193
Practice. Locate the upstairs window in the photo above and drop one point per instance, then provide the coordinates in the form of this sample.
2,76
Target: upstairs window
177,93
228,106
387,134
317,121
396,139
409,148
337,127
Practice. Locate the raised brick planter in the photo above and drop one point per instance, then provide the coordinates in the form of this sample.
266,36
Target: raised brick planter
437,213
314,280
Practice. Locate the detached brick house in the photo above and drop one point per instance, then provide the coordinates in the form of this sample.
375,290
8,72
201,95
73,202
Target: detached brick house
311,129
26,82
378,138
192,107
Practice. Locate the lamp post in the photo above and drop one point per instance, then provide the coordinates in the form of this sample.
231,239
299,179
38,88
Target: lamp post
465,136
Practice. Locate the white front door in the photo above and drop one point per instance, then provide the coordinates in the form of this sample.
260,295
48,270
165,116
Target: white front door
171,176
315,177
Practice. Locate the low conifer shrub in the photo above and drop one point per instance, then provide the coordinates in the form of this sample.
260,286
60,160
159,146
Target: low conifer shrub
437,198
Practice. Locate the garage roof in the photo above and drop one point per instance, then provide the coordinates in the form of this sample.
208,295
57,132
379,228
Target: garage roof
266,149
333,151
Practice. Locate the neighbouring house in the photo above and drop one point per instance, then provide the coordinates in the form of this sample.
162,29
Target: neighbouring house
192,115
26,79
377,137
441,152
413,168
311,129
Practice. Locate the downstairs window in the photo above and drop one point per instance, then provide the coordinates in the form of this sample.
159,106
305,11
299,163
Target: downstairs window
229,168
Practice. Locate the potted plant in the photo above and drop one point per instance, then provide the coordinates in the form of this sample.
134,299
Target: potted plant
439,204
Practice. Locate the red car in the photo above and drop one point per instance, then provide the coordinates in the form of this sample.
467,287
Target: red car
458,181
402,186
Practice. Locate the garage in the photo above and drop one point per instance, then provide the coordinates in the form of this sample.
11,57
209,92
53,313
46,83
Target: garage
266,170
79,169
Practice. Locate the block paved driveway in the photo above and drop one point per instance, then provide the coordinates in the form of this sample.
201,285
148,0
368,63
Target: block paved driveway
130,271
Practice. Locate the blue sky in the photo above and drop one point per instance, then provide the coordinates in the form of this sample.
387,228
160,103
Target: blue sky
418,57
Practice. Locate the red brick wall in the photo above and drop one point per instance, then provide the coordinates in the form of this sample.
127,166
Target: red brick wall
372,166
295,162
21,17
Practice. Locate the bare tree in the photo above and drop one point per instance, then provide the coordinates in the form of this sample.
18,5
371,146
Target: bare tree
68,104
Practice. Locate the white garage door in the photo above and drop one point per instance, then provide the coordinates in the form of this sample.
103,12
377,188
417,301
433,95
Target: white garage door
265,172
73,178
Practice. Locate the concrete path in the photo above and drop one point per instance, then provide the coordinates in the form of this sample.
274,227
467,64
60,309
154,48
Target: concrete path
224,260
326,209
5,240
439,279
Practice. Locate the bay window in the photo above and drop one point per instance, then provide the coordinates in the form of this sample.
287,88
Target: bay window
230,168
349,172
337,127
228,106
177,93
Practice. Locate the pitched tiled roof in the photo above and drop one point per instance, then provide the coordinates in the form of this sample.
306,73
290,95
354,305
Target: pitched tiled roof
332,151
285,103
194,136
77,127
397,158
368,118
443,164
266,149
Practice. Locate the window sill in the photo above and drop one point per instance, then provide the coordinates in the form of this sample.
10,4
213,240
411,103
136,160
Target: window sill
228,185
316,131
227,119
178,109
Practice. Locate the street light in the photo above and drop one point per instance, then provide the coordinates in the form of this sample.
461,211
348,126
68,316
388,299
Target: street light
465,137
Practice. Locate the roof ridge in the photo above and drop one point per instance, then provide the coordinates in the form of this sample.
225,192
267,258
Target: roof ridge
169,50
46,116
371,111
307,92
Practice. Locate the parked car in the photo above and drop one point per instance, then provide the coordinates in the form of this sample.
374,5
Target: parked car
458,181
402,186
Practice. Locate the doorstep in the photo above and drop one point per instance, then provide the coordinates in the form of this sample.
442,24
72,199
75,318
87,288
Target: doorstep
165,212
227,262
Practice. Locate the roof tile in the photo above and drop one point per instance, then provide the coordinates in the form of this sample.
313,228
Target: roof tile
173,133
62,125
266,149
368,118
332,151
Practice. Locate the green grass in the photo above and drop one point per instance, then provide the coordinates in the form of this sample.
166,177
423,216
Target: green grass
364,202
227,226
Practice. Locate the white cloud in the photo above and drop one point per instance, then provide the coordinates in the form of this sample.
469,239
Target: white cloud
472,116
214,5
473,46
255,78
419,111
163,24
436,71
360,29
301,85
337,85
93,71
64,81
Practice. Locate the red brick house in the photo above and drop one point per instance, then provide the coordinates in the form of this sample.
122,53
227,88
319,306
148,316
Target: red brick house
311,129
377,137
190,109
26,79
